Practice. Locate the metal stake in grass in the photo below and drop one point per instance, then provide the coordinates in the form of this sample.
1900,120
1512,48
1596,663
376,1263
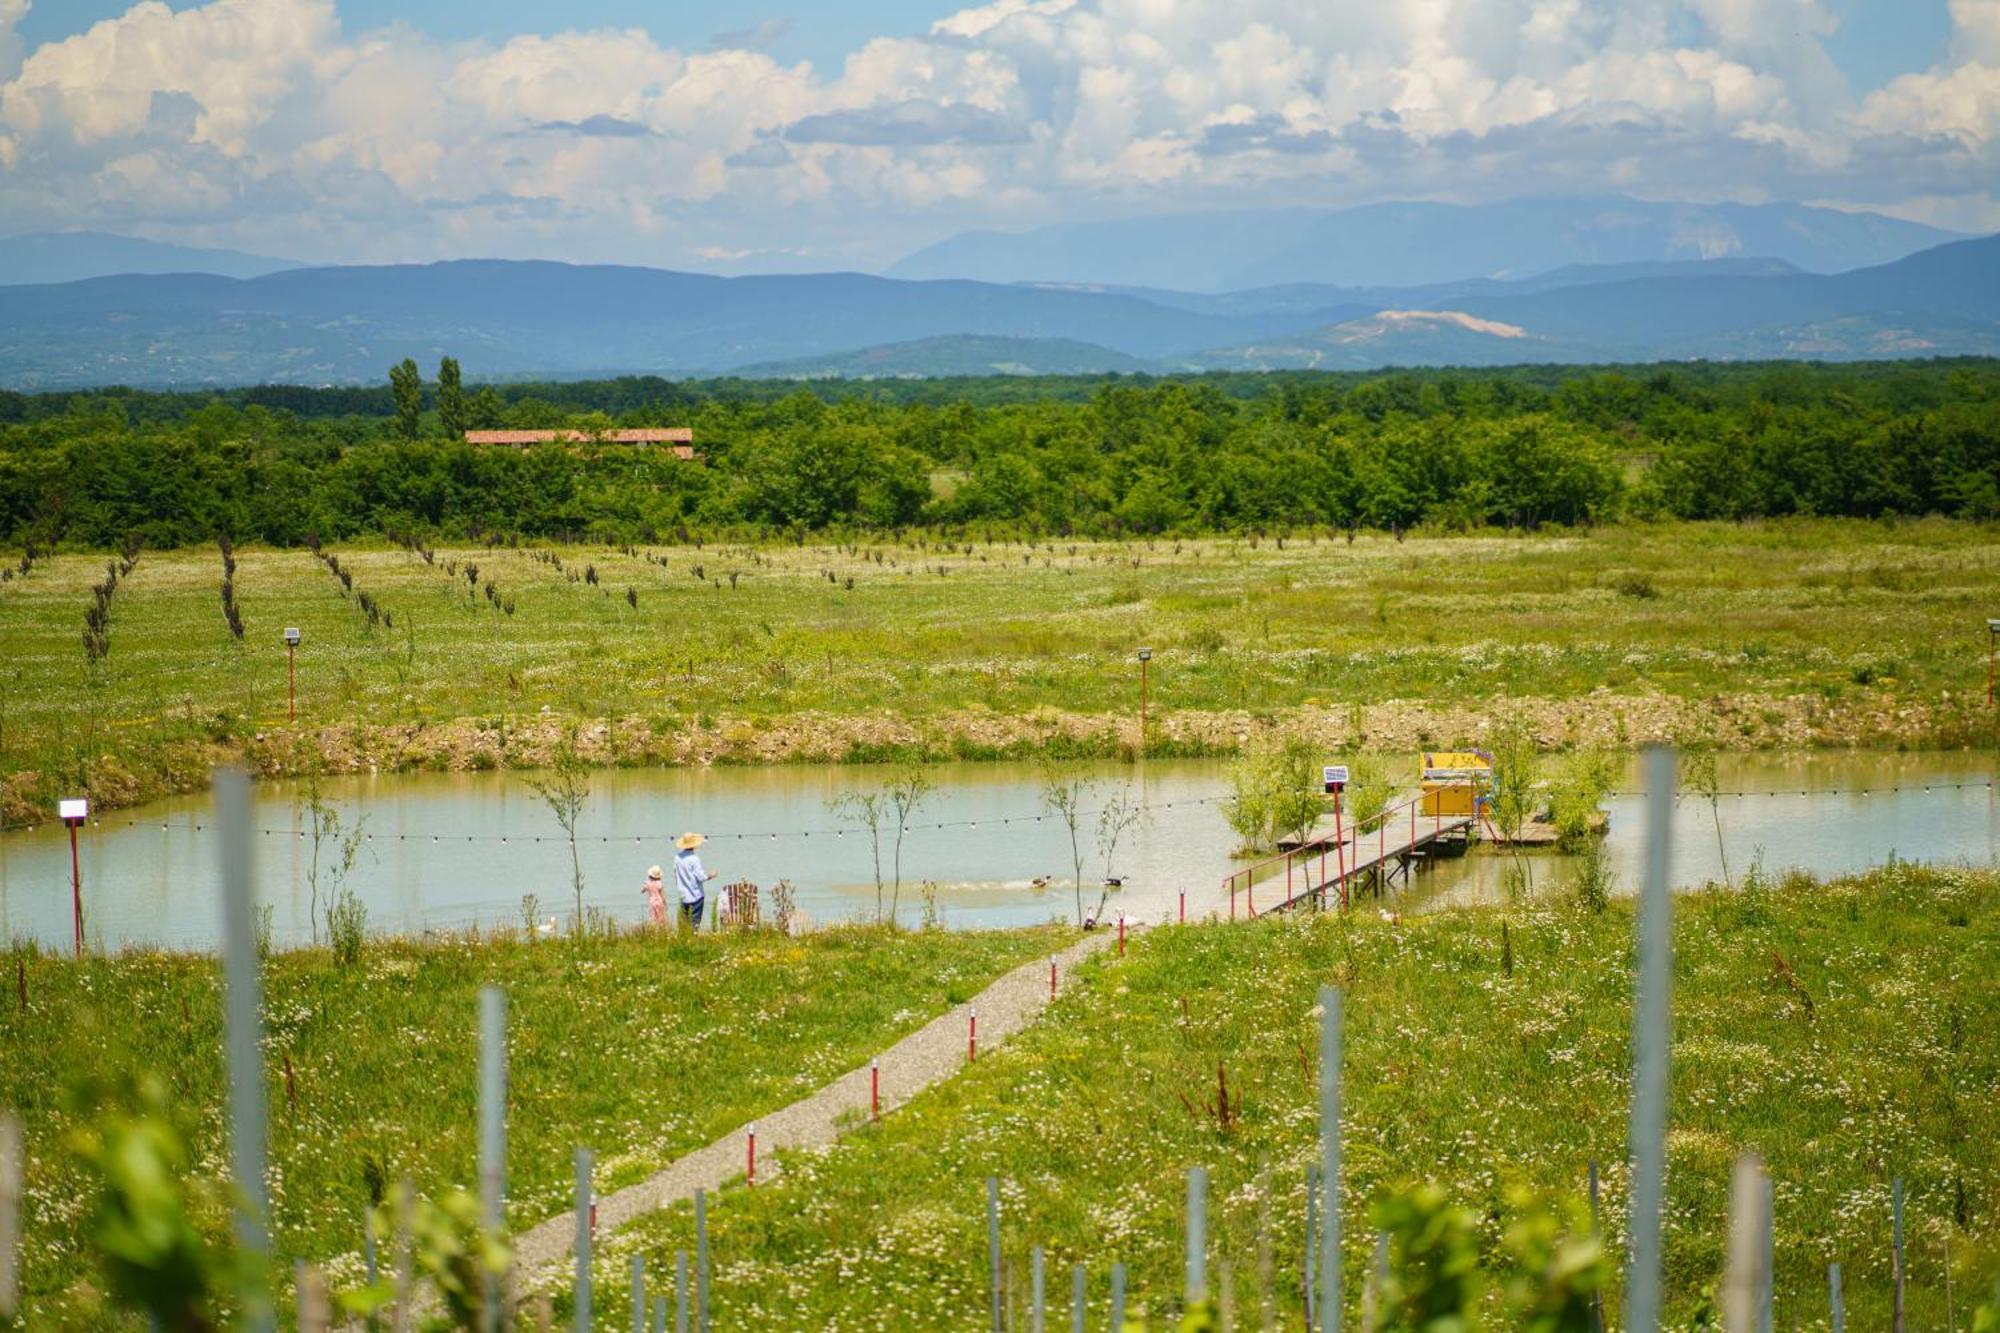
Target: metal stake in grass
993,1244
680,1291
1076,1299
1896,1253
243,1022
1117,1298
1329,1163
492,1132
701,1260
10,1213
584,1207
638,1293
1743,1280
1197,1234
1035,1290
1838,1307
1649,1049
1767,1245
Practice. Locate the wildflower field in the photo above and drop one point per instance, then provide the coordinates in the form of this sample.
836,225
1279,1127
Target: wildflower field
641,1047
1845,1031
974,643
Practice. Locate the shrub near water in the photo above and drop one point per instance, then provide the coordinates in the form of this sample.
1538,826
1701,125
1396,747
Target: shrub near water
641,1047
1849,1037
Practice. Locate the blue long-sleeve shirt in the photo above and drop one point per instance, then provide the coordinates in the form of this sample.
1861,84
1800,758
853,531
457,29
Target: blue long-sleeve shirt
689,877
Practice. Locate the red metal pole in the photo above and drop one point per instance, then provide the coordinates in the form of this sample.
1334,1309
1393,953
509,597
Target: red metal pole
593,1218
292,676
972,1037
1121,934
874,1090
1142,706
750,1176
1183,907
76,888
1340,849
1052,978
1232,897
1990,636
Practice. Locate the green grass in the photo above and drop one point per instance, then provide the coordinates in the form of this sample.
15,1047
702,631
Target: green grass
1456,1072
1820,632
640,1047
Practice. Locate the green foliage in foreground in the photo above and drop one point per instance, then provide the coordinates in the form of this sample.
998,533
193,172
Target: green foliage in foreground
1844,1031
642,1047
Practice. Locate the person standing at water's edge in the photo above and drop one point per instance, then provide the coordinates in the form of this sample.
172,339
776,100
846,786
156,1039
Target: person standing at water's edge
656,896
690,878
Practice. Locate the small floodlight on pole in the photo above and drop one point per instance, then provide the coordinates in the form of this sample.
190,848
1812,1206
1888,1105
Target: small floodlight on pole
292,670
1145,656
74,813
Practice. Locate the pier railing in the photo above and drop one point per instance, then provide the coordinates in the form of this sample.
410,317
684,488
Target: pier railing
1345,847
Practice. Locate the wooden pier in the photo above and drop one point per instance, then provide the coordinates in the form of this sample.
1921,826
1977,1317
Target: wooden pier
1330,869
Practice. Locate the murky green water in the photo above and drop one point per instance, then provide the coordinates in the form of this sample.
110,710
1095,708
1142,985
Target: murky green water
449,850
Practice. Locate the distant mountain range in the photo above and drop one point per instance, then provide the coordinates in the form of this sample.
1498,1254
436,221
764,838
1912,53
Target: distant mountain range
1412,244
70,256
515,319
958,354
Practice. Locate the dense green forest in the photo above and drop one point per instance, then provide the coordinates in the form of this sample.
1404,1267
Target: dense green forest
1520,447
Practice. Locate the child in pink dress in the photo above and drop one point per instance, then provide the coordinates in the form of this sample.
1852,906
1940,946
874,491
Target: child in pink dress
656,896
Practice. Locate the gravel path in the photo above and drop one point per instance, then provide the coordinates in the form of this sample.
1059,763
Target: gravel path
929,1055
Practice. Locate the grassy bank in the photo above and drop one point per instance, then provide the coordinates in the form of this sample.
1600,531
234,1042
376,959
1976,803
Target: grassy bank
1782,633
1845,1031
639,1047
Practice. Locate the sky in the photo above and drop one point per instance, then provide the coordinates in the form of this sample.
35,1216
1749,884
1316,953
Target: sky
816,135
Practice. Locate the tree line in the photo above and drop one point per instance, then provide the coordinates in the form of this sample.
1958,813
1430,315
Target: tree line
1521,447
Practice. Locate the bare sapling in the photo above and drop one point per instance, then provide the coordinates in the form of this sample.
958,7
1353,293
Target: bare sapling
565,789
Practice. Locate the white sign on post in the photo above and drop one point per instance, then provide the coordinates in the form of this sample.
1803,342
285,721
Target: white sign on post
74,811
1335,775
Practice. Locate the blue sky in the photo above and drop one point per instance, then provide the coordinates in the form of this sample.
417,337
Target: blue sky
813,134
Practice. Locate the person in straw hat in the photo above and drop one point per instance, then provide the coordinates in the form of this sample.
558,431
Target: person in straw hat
690,878
656,895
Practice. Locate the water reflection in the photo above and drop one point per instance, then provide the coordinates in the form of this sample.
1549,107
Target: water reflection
446,850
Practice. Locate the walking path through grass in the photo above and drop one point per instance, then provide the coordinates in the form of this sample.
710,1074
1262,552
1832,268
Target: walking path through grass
642,1047
929,1055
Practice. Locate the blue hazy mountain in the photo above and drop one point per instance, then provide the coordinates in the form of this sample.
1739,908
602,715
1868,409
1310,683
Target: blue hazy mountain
69,256
514,319
1413,244
1944,301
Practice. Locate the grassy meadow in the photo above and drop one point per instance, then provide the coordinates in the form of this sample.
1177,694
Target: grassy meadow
1845,1031
1777,633
641,1047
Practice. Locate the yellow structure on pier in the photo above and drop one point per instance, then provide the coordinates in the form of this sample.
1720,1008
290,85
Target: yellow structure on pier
1456,782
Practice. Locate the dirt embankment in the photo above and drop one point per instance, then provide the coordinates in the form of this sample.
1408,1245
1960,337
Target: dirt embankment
1749,721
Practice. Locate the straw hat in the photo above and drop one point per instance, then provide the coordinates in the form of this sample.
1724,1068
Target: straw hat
689,841
654,873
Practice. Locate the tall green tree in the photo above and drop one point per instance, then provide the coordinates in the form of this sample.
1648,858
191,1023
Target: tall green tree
407,386
451,400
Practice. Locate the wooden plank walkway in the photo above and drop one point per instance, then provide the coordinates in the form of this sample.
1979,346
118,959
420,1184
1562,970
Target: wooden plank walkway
1326,864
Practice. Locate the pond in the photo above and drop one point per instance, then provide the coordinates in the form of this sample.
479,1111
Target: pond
445,851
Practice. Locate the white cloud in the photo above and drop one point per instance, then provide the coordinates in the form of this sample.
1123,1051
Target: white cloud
265,122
